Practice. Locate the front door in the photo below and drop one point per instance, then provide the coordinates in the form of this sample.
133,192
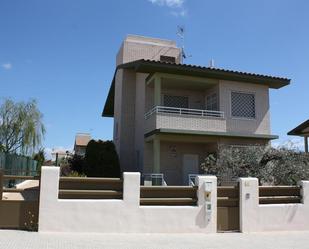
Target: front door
190,166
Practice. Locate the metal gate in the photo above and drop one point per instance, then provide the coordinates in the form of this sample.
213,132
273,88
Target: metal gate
228,208
19,207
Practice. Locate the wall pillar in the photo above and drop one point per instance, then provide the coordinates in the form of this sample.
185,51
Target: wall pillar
156,155
306,144
248,204
49,188
207,199
131,188
157,91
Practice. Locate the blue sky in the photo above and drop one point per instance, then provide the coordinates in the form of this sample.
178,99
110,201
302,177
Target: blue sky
62,53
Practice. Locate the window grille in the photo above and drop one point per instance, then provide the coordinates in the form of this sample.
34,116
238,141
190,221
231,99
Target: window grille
176,101
243,105
212,102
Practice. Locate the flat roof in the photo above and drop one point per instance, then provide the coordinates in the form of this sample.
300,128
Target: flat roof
150,66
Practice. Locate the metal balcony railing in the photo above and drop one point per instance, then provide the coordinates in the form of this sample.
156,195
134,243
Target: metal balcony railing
184,111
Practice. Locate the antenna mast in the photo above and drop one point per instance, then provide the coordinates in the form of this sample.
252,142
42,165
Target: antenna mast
181,33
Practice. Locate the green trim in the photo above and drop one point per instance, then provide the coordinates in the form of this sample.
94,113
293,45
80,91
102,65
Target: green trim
210,133
151,67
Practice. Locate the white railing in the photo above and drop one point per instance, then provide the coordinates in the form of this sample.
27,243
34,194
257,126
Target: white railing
154,179
184,111
191,179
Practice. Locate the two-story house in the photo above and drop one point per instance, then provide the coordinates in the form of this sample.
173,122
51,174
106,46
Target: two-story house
168,116
80,143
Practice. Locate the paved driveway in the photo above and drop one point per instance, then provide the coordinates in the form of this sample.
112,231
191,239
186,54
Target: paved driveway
10,239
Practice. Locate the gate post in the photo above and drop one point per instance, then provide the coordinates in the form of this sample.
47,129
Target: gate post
207,200
131,188
248,203
49,188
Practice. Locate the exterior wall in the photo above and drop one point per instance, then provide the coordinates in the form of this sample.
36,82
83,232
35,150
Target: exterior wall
139,47
271,217
133,99
171,165
171,160
242,141
139,120
259,125
129,106
123,216
117,109
185,122
127,125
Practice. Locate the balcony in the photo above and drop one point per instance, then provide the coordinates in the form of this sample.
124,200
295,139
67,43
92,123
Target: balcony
163,117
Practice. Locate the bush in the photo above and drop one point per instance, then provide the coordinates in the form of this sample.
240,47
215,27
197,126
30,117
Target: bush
282,166
77,163
102,159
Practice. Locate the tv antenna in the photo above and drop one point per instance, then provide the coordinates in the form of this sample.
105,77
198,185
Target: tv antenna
181,33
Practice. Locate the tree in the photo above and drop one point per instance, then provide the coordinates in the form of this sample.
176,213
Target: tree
282,166
77,163
40,158
21,126
102,159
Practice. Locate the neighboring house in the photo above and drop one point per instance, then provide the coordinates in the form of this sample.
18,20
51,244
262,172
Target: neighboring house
169,116
59,155
303,131
80,144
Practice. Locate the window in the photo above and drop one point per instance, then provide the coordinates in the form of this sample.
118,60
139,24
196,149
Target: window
212,102
243,105
176,101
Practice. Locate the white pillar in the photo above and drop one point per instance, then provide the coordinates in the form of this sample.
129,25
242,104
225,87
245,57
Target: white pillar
131,188
304,191
207,201
49,189
248,203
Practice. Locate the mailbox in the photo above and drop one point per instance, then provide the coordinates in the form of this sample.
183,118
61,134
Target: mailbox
208,189
208,207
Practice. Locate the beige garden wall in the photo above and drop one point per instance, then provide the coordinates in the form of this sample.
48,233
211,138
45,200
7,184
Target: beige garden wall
271,217
123,216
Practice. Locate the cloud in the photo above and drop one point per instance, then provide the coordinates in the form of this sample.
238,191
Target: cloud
7,66
177,6
168,3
